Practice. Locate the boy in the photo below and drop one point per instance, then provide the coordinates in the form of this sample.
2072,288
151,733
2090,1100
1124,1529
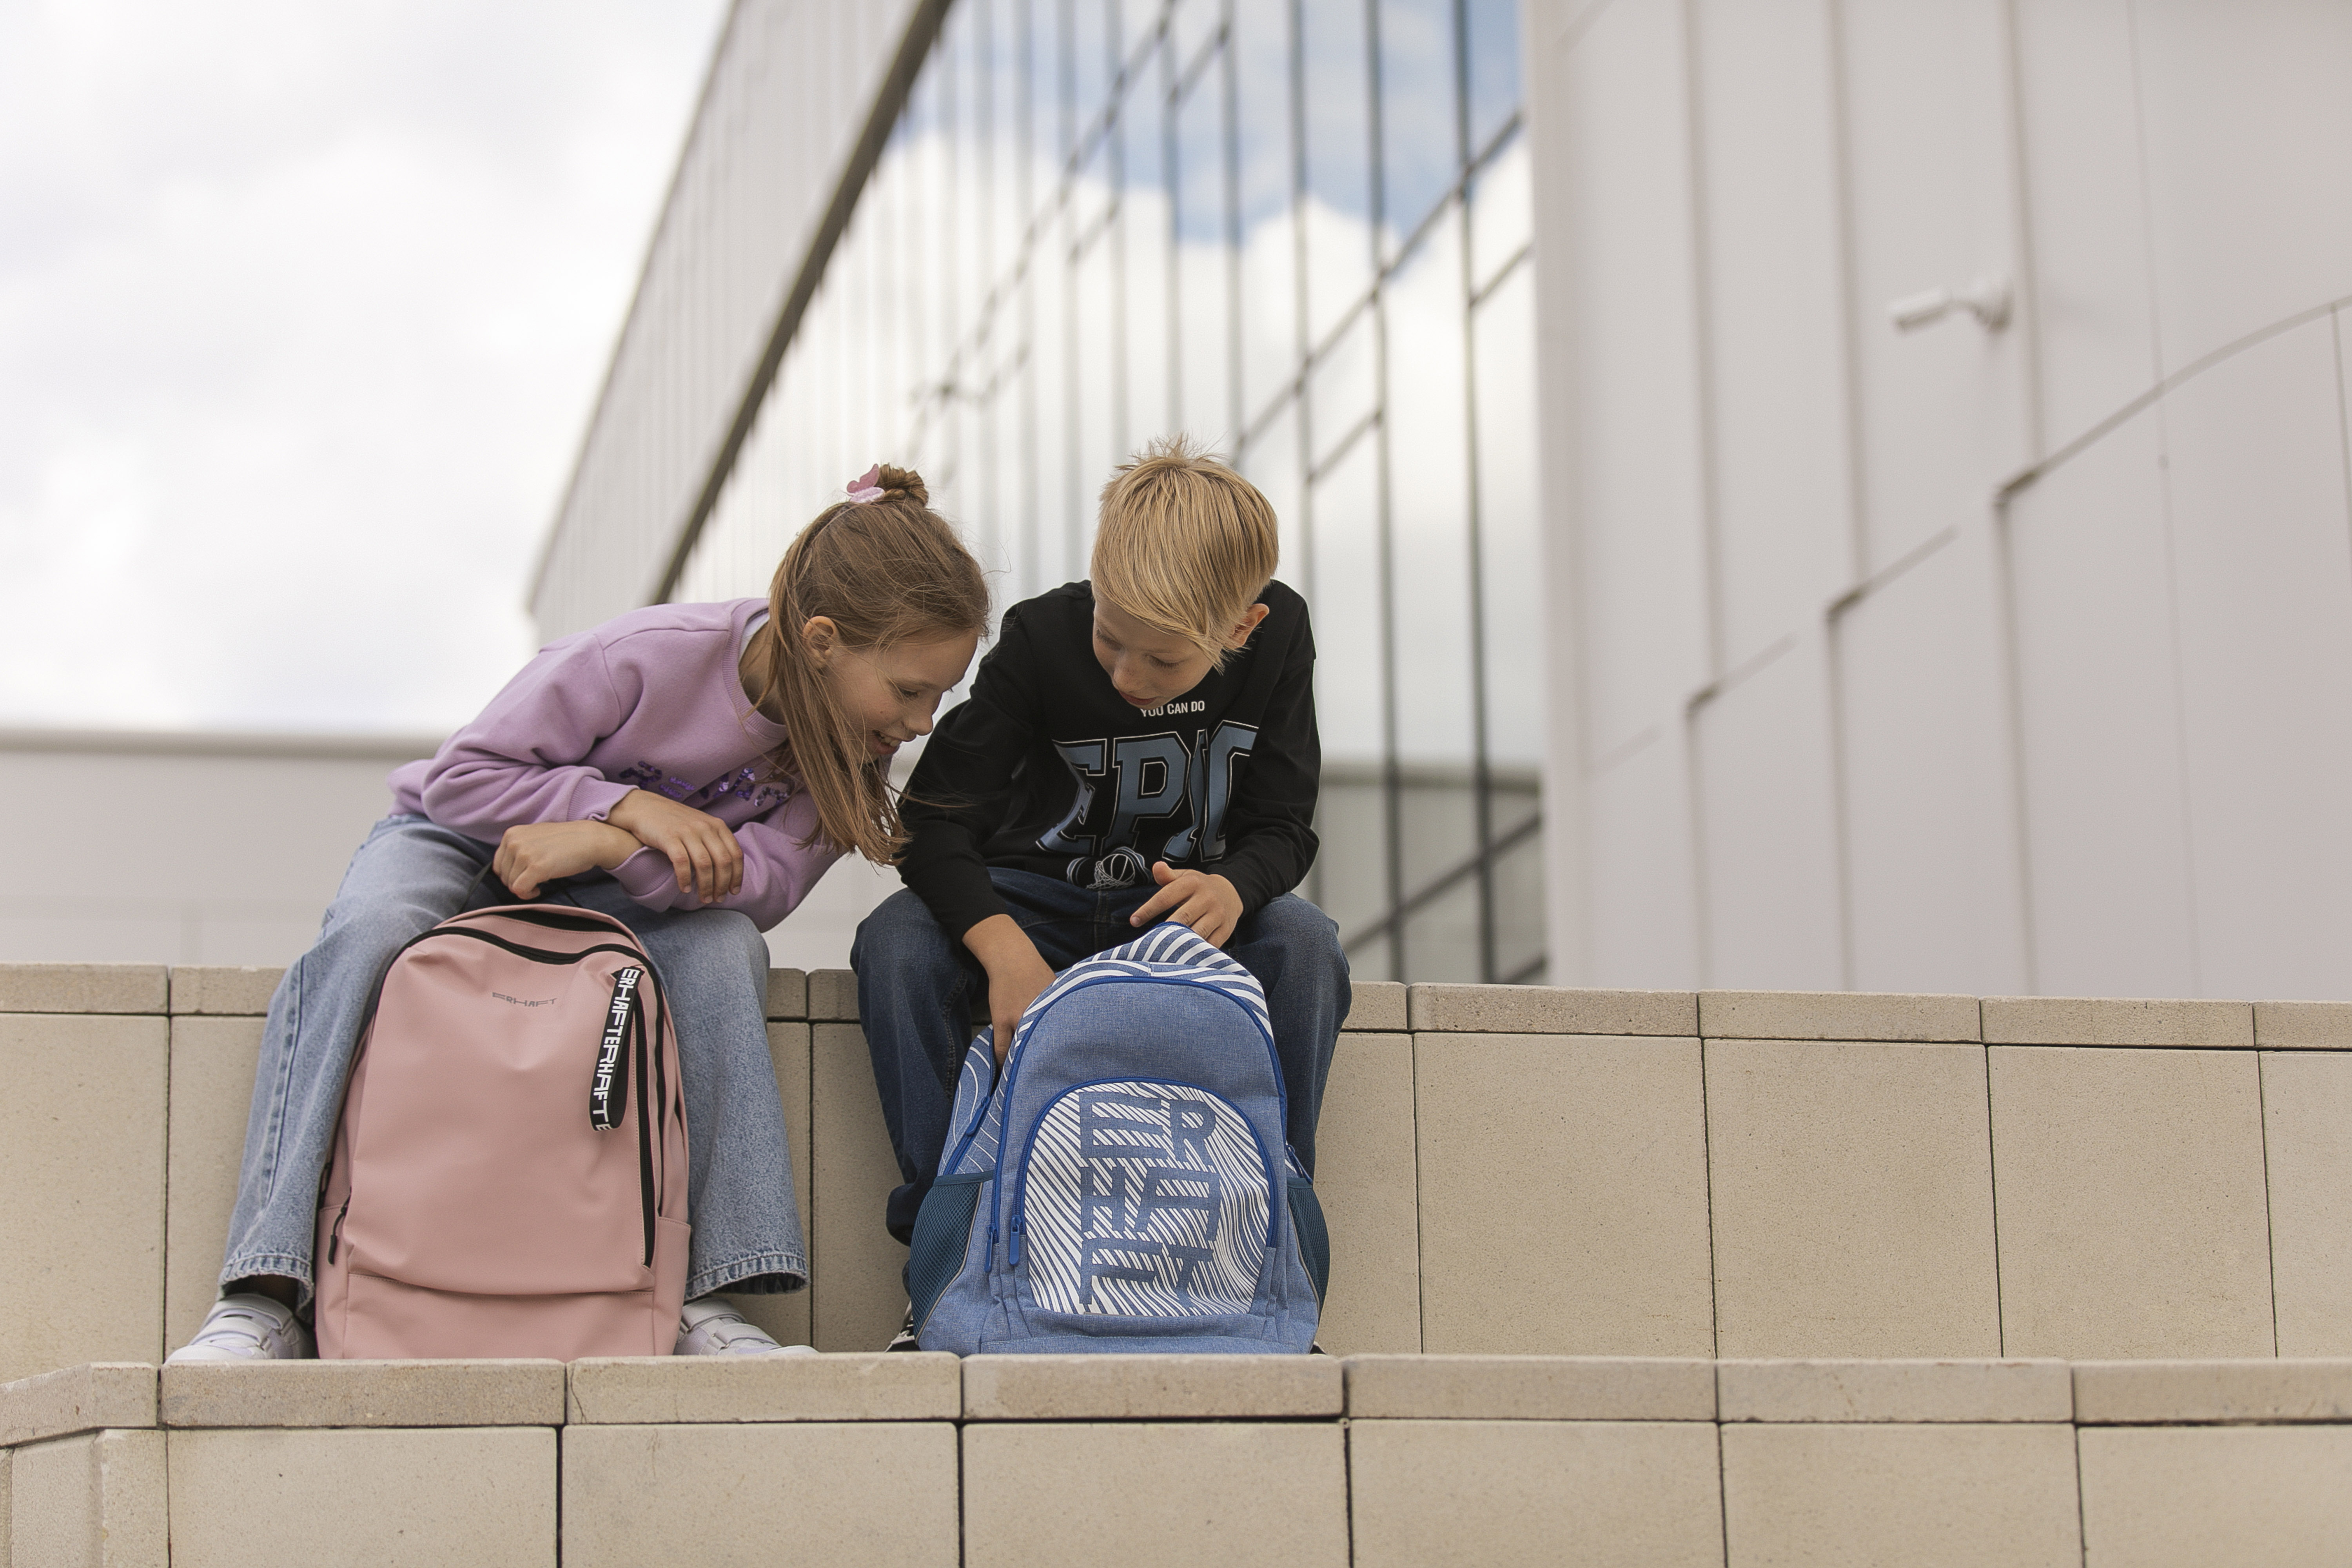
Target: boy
1136,748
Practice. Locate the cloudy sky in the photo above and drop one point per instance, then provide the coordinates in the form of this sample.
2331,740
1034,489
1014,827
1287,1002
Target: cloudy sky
302,308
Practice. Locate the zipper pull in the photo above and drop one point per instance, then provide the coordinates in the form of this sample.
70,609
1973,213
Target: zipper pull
1012,1258
335,1236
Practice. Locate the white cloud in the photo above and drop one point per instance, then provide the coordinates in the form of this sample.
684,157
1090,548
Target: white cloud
302,311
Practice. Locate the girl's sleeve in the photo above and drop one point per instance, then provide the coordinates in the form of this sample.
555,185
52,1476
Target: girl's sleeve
520,761
778,872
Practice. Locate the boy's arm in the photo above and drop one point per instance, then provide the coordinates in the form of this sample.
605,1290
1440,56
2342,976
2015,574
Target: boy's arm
1270,840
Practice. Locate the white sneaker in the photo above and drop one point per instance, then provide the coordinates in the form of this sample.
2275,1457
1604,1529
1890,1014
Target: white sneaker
711,1326
247,1328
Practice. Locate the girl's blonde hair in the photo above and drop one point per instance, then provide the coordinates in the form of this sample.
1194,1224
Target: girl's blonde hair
1185,544
885,571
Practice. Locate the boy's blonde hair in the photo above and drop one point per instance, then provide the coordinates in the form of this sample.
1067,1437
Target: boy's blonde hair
1185,545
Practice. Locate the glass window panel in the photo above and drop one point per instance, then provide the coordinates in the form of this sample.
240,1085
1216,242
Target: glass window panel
1203,325
1509,530
1351,689
1518,881
1197,180
1501,213
1145,242
1092,47
1351,879
1335,54
1441,938
1041,22
1419,131
1099,397
1271,463
1495,93
1259,57
1138,20
1344,387
1192,23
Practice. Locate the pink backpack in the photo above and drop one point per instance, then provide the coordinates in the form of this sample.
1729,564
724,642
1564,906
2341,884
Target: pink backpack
496,1188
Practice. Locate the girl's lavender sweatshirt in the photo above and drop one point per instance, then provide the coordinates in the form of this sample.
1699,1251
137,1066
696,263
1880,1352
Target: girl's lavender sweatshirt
651,700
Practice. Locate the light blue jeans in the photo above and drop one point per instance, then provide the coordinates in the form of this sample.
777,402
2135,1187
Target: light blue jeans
410,875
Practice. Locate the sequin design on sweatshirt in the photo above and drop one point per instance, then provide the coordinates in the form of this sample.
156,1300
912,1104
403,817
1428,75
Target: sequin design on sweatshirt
748,784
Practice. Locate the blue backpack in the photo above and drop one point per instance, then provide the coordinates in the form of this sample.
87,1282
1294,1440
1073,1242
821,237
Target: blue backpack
1123,1183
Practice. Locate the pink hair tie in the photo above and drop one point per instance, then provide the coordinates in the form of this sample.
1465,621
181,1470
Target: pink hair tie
866,486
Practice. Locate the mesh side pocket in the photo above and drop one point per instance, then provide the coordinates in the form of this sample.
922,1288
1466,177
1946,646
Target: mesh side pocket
1314,1240
942,1228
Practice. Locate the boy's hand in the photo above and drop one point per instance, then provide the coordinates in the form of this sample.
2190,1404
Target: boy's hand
537,852
701,849
1017,973
1202,899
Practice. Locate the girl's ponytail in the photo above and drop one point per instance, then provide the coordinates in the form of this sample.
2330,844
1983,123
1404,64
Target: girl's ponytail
884,568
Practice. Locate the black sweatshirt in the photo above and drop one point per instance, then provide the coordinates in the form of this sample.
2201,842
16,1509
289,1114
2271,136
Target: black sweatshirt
1044,769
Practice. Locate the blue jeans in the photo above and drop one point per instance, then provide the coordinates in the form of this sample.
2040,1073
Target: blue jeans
410,875
916,987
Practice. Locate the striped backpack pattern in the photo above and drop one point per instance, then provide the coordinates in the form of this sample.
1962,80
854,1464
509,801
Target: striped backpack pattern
1123,1183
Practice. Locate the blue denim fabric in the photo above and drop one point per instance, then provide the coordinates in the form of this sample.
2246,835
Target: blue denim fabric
916,987
410,875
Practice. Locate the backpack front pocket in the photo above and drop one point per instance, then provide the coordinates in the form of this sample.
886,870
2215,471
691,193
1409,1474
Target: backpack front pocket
942,1233
1142,1198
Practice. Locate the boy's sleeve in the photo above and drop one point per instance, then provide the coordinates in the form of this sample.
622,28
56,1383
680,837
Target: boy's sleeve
961,788
778,872
518,762
1270,839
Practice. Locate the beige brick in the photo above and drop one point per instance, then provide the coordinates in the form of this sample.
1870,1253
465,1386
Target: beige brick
1563,1195
1835,1015
787,994
92,1501
819,1492
1903,1391
666,1390
212,1096
859,1296
2303,1025
83,988
78,1399
1365,1180
1829,1496
1377,1004
1501,1493
223,989
2109,1021
2131,1200
1529,1388
82,1162
2307,1140
2178,1393
365,1394
364,1498
1149,1388
2191,1497
1151,1495
1853,1199
786,1317
1551,1010
832,995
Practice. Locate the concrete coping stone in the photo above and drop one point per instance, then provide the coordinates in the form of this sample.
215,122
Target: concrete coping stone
365,1394
787,995
223,989
1151,1387
87,1398
84,988
2303,1025
832,996
923,1385
2211,1392
1549,1010
1529,1388
1377,1006
1836,1016
1904,1391
2114,1021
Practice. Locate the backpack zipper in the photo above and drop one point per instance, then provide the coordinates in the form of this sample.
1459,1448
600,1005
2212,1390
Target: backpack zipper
335,1236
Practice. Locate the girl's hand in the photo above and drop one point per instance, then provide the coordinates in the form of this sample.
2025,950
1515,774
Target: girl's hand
1210,905
1017,973
701,849
537,852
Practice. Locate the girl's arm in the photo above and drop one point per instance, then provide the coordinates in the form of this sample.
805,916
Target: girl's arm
774,871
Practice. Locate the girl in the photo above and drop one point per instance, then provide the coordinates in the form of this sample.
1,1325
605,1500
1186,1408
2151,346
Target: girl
690,769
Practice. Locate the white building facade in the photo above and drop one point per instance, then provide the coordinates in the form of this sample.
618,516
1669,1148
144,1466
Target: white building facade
1682,620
